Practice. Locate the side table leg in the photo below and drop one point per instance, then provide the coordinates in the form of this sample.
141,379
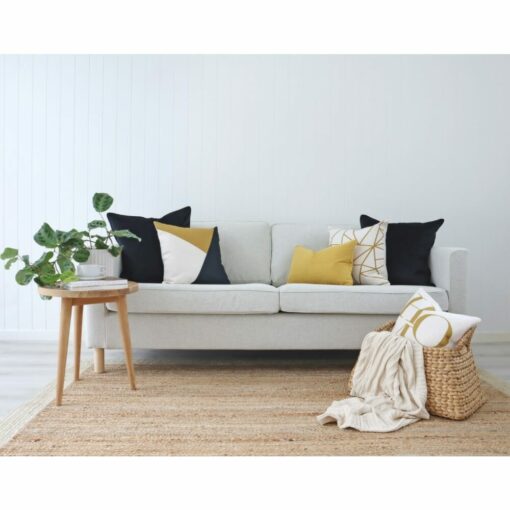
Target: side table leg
78,320
126,339
66,307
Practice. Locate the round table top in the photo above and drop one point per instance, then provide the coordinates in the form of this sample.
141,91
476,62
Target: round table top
82,293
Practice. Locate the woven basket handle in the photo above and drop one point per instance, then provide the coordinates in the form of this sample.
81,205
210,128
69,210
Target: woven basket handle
387,326
465,340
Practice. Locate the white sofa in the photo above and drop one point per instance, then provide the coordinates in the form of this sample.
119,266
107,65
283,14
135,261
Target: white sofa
259,310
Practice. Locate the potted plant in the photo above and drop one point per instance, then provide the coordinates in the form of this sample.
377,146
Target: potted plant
63,249
99,239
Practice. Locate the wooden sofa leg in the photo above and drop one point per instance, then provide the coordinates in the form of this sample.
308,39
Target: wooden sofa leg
99,360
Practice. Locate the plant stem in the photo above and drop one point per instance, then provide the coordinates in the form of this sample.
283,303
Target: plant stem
108,232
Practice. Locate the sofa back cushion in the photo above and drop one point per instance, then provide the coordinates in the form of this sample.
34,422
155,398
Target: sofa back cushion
245,249
286,236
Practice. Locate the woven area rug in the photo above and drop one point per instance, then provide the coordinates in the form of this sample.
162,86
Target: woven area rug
242,410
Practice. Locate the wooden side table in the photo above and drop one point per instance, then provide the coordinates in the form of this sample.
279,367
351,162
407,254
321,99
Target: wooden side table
79,298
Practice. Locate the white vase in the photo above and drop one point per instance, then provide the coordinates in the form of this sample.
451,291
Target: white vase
104,258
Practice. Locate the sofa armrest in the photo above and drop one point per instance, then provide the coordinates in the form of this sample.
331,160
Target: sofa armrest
449,271
95,325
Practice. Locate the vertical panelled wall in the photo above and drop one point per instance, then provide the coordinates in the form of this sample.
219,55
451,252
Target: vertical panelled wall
70,126
274,138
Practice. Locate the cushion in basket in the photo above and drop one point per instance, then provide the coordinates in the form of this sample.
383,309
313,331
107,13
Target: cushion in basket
422,319
369,264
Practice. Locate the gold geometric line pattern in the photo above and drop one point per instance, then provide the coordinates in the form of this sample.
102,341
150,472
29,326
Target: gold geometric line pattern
369,265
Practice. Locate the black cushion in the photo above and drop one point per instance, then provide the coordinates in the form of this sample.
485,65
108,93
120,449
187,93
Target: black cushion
408,248
141,261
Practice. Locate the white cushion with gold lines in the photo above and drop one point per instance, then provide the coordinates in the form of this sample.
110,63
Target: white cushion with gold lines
423,320
369,265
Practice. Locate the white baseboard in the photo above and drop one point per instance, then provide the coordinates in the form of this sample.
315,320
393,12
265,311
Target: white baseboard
494,337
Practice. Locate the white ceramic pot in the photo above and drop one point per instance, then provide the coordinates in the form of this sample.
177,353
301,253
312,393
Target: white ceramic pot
106,259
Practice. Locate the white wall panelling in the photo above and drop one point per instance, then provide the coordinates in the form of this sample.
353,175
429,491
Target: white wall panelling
275,138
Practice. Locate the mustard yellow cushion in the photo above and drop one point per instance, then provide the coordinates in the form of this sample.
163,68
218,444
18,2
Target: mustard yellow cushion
330,266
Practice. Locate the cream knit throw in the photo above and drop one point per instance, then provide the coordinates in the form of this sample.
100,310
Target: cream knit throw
389,389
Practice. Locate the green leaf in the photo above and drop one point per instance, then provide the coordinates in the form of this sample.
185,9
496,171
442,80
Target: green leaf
45,268
72,243
65,263
25,260
81,255
60,235
9,253
96,224
24,276
100,243
49,278
72,239
68,276
46,237
115,250
10,262
102,202
45,298
125,233
72,234
66,251
45,257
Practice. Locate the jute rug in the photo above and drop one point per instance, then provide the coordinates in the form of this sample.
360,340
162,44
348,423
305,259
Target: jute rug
237,410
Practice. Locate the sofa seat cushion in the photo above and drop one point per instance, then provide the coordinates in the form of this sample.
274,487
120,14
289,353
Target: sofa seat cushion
250,298
361,299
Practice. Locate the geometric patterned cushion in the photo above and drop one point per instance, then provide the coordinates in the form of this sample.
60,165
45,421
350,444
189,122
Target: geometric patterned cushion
191,255
369,266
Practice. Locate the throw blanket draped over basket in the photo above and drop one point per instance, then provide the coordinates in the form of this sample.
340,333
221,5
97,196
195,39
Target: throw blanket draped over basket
389,389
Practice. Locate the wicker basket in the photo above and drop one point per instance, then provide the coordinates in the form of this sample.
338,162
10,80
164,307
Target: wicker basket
453,384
